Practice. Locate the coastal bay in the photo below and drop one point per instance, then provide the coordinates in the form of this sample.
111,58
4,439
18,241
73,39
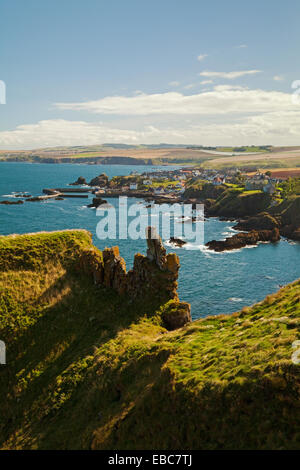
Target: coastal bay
212,282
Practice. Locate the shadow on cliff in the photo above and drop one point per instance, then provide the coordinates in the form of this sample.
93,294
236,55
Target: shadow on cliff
85,318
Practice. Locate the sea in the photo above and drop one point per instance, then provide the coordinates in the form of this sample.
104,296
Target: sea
213,283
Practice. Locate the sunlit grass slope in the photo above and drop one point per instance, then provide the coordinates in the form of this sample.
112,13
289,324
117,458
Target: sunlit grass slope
87,369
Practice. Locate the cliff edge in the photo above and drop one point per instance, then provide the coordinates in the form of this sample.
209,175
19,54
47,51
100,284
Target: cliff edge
90,366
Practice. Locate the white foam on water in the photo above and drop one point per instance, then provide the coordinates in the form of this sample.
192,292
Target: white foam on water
226,234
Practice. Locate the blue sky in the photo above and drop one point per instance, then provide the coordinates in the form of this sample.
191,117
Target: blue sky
93,71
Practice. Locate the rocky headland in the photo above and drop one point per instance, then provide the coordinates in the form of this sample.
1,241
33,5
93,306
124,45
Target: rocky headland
240,240
94,362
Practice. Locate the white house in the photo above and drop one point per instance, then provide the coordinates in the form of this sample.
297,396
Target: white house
133,186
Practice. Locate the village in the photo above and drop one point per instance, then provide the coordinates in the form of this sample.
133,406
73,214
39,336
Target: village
163,185
170,183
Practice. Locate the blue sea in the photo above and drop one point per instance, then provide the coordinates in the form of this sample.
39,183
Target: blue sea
213,283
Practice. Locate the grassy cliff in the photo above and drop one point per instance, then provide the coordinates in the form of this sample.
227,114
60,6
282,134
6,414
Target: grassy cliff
87,368
239,203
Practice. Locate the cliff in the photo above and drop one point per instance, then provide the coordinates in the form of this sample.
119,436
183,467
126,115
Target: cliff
202,190
91,368
113,160
236,203
257,212
284,216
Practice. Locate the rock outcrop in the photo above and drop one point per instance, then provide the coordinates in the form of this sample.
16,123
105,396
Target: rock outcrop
80,181
156,251
97,201
291,231
11,203
100,181
177,241
154,276
285,217
176,315
263,221
240,240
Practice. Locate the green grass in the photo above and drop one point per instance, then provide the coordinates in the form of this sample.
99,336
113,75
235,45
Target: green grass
264,163
242,149
237,202
89,369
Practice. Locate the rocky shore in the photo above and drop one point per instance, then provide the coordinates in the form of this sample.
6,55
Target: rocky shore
240,240
12,203
97,201
177,242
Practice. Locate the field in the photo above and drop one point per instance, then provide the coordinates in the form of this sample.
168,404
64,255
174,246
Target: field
275,158
282,159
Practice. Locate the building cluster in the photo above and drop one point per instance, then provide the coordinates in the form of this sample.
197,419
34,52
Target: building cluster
170,182
261,181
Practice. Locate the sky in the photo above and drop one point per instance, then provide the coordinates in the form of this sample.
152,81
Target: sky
76,72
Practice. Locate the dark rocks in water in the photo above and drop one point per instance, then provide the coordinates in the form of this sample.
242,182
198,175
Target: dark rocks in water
35,199
80,181
97,201
59,198
23,195
177,241
101,180
227,219
12,203
240,240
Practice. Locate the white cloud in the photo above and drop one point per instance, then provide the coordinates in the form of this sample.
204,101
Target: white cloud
193,85
277,128
278,78
229,87
228,75
202,57
226,114
175,83
223,99
62,132
242,46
